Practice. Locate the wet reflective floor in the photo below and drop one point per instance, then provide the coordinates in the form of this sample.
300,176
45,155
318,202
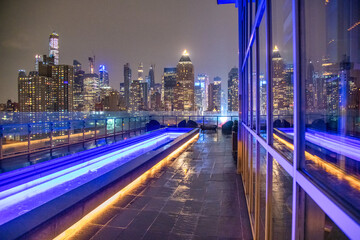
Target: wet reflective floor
198,195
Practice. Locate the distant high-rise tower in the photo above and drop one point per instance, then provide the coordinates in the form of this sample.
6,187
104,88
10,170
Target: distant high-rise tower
92,64
140,72
104,76
200,92
127,82
38,59
233,90
168,88
214,89
184,89
76,65
54,47
280,85
152,76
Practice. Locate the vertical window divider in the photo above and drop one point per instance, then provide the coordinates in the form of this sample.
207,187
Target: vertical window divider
269,128
298,197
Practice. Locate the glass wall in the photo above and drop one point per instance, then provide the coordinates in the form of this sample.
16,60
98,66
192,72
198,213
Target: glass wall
300,78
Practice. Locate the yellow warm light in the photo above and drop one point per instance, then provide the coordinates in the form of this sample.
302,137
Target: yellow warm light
185,53
328,167
276,49
354,26
71,231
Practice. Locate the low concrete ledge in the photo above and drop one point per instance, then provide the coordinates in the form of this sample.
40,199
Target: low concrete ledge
52,218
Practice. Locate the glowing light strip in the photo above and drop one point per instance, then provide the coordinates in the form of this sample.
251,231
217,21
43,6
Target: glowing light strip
71,231
328,167
81,169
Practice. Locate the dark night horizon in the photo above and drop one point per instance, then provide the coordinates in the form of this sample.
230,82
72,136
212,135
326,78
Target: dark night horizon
117,32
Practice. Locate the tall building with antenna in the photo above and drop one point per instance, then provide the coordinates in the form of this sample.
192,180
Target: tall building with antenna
54,47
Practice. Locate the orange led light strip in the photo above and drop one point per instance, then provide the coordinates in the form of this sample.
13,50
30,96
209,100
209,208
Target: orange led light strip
72,230
328,167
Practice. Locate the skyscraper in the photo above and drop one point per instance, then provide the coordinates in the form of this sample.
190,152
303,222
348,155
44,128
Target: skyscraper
136,92
38,59
168,88
201,92
184,89
127,82
104,76
233,90
214,89
78,87
91,91
34,92
54,47
92,64
62,87
140,72
281,88
152,76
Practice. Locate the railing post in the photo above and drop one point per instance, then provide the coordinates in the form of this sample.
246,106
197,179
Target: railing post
122,125
51,134
217,121
69,129
29,135
95,130
114,126
129,125
203,121
163,117
176,121
1,140
106,127
83,130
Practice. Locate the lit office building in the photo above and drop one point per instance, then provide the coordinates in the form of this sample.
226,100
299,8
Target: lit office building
54,47
127,82
184,90
91,91
34,92
38,59
214,95
201,92
140,72
136,93
168,88
233,90
152,76
103,76
78,87
62,87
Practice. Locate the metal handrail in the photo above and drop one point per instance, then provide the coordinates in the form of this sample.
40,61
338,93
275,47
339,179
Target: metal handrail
66,131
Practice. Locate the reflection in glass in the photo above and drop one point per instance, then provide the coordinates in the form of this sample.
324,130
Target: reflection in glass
318,225
282,75
332,82
281,202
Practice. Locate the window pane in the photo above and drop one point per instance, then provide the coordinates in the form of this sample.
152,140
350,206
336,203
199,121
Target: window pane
332,80
281,202
262,77
318,225
282,76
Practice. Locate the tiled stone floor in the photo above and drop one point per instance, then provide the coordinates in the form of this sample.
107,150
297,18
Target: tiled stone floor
197,196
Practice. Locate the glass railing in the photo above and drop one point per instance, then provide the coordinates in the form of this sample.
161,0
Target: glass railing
36,135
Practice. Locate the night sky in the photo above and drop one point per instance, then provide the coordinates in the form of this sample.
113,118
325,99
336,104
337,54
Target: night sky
117,31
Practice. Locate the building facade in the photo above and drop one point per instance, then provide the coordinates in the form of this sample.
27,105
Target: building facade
184,91
168,88
298,81
233,90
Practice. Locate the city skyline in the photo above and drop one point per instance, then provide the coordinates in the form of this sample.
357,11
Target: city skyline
79,37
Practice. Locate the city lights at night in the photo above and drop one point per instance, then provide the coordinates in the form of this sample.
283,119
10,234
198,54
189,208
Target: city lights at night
206,119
